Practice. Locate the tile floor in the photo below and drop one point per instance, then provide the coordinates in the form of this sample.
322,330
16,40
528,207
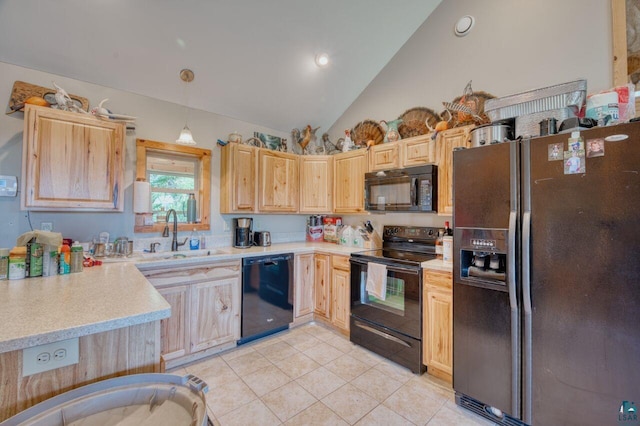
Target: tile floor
311,375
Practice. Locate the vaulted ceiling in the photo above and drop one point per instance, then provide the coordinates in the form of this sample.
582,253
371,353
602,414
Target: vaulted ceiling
253,59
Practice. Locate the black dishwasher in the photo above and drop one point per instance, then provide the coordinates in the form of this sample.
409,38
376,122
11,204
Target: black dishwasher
267,295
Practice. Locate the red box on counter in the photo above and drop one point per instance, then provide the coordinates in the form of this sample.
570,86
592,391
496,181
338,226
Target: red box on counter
331,225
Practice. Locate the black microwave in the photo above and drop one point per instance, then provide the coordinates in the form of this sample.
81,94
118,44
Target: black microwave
413,189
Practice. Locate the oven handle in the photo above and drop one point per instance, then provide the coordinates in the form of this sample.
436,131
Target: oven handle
381,334
414,191
389,268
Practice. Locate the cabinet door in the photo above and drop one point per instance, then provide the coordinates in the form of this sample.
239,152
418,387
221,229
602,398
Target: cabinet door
303,293
438,330
384,156
278,182
418,150
174,331
322,284
348,183
71,161
238,178
340,297
215,313
446,142
316,184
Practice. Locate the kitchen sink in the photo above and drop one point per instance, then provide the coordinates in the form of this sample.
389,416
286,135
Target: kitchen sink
178,254
163,255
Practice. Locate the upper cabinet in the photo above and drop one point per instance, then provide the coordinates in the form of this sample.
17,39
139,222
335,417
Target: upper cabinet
403,153
238,178
384,156
71,161
316,184
278,182
348,185
418,150
446,142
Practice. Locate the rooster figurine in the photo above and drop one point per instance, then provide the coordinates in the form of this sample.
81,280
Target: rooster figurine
304,138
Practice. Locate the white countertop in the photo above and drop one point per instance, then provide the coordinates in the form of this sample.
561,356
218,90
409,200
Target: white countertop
41,310
438,265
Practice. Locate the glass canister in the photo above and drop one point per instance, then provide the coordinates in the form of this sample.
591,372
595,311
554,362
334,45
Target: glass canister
4,263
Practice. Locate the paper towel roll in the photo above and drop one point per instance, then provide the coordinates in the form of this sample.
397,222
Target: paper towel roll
141,197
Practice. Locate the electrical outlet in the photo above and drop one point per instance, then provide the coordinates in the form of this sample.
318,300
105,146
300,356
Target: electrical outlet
50,356
43,358
225,226
46,226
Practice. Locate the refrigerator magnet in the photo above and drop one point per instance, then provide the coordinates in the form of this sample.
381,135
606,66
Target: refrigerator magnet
574,162
595,148
554,152
576,144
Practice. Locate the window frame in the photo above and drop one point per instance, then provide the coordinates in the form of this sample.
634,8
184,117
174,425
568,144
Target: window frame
203,195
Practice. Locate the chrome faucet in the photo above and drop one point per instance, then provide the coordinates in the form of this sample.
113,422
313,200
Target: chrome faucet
174,243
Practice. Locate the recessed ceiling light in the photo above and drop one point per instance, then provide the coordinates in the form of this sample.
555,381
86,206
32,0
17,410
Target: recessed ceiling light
322,60
464,25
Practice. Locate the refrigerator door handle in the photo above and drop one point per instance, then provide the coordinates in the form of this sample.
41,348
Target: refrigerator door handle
515,315
526,303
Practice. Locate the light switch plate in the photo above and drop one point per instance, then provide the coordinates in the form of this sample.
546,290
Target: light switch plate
38,359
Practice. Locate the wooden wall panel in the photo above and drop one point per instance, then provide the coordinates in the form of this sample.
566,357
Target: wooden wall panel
128,350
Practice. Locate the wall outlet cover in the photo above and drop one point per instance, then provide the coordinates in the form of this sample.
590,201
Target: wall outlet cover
38,359
46,226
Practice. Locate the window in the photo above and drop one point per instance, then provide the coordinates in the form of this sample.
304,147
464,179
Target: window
174,172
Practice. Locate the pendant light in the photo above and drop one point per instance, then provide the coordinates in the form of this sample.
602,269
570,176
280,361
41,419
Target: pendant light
186,138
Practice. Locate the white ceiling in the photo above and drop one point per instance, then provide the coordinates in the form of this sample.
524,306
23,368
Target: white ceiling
253,59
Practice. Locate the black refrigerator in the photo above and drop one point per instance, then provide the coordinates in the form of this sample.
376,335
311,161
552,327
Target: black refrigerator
546,288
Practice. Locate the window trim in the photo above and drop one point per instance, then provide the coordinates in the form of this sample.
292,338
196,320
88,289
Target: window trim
203,197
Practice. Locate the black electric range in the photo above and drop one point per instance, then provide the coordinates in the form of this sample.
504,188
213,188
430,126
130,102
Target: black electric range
390,324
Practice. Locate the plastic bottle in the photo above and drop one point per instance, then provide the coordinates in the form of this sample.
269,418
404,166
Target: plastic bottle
194,240
65,259
191,209
203,241
447,231
76,257
439,251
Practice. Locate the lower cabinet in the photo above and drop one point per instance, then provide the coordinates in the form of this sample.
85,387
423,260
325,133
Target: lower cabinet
340,293
303,287
437,324
332,290
322,286
205,310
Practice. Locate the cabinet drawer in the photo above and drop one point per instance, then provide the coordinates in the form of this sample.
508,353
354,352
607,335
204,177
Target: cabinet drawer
341,262
438,279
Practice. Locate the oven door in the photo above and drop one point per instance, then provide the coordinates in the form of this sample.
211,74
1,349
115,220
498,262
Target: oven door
401,311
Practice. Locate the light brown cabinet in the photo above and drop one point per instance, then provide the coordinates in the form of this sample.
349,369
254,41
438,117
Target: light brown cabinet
384,156
238,178
349,169
316,184
71,161
174,331
304,268
340,293
409,152
278,181
205,309
437,324
322,285
445,144
418,150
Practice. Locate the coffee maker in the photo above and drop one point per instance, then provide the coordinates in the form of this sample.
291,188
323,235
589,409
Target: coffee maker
243,232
